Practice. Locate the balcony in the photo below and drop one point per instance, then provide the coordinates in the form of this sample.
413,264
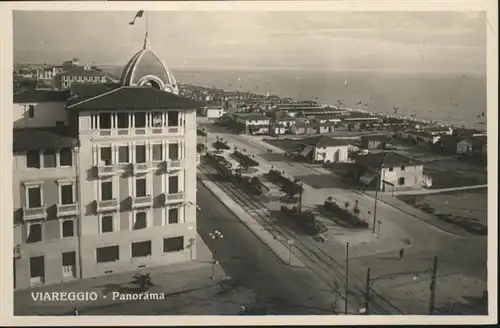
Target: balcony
173,129
173,198
139,168
110,205
172,165
17,252
104,171
67,209
34,213
141,202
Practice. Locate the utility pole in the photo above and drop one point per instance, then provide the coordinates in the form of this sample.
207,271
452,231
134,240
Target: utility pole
376,198
432,299
301,185
346,273
367,293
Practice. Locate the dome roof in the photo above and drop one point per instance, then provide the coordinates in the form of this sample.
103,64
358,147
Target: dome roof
146,69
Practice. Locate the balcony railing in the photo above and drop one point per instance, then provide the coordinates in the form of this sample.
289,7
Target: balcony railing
34,213
138,131
172,198
67,209
141,202
109,205
107,170
141,168
172,165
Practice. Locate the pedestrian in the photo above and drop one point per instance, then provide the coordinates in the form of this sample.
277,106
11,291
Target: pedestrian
75,311
401,254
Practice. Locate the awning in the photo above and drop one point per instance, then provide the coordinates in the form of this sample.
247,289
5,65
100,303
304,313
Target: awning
368,177
306,151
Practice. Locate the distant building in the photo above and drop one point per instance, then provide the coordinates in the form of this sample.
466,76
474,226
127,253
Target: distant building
253,123
375,142
214,112
396,171
323,149
84,75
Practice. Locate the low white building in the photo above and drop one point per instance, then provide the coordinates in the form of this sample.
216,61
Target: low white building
323,149
214,112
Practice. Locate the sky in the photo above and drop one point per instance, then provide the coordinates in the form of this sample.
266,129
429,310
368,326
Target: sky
331,40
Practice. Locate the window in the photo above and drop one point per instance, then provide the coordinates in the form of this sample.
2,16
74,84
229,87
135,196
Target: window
108,254
34,233
141,249
140,120
65,157
140,221
105,121
107,224
402,168
123,154
174,244
106,190
157,119
391,169
106,155
31,111
140,187
401,181
68,228
66,194
157,152
34,197
33,159
173,118
173,184
173,151
49,158
123,120
173,215
140,154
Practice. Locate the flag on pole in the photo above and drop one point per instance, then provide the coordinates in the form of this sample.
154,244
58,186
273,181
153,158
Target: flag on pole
138,15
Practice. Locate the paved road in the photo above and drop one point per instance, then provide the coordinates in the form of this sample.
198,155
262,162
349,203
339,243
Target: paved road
249,262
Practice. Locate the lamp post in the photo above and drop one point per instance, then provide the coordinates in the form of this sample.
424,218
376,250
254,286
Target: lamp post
346,273
290,245
215,235
379,180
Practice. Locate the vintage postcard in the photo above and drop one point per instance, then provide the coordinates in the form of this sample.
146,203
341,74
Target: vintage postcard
308,162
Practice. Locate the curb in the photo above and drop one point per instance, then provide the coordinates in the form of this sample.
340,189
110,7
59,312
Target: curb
257,229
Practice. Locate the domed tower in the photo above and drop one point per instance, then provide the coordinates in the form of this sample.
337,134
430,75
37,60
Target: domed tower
145,69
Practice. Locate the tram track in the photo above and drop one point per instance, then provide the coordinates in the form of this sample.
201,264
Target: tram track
324,266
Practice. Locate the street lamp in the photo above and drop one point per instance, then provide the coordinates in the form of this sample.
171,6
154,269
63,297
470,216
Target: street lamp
379,180
215,235
290,245
346,273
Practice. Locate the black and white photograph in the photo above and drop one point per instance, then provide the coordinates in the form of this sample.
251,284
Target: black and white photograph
290,159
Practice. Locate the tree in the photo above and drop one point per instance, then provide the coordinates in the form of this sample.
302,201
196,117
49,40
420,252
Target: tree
292,189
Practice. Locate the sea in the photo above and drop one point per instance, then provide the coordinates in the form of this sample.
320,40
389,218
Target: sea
457,99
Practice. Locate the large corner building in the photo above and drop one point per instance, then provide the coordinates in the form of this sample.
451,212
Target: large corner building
104,176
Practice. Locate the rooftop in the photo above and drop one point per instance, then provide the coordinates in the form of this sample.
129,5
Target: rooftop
324,141
134,98
82,71
380,137
39,96
42,138
385,159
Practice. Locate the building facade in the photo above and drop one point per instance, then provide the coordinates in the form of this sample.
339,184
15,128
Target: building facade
86,75
113,191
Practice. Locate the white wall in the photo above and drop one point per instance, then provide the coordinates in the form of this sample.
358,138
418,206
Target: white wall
46,114
329,154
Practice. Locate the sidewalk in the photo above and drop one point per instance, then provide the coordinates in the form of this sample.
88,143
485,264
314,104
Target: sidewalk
265,236
184,288
438,191
417,213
